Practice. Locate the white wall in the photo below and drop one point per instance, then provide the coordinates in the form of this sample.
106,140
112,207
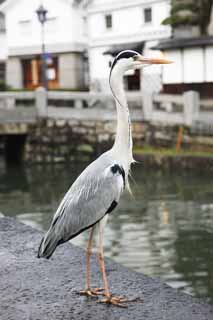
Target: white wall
127,27
208,56
24,30
173,73
190,65
99,69
128,21
193,65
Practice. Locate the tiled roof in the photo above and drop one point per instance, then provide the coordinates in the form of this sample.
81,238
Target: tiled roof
184,43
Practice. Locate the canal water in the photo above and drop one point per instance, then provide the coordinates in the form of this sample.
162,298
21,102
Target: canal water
165,230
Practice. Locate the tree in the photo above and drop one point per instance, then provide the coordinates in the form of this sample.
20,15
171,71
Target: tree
191,13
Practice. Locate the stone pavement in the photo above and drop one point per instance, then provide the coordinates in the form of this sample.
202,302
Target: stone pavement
39,289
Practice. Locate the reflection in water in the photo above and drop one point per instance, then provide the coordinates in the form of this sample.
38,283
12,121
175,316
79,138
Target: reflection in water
165,231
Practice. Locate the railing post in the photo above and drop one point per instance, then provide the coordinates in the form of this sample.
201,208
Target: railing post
78,103
41,102
147,105
10,103
191,105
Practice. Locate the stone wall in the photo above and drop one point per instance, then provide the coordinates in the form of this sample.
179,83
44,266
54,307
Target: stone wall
54,141
63,141
193,138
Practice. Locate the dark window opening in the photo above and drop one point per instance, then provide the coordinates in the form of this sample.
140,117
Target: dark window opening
14,148
204,89
2,71
147,15
133,82
108,21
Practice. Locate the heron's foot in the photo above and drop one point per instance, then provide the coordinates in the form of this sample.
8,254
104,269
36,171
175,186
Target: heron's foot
118,301
92,292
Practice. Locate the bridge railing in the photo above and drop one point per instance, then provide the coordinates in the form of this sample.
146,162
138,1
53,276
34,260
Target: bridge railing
26,106
187,109
87,105
9,100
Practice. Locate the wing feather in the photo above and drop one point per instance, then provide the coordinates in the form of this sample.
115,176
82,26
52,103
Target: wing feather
88,199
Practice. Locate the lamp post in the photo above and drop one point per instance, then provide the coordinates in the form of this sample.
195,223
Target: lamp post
42,17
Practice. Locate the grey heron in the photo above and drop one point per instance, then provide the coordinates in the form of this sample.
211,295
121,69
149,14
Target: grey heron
96,192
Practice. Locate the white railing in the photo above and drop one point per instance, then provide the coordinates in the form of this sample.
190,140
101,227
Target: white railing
8,100
186,109
78,105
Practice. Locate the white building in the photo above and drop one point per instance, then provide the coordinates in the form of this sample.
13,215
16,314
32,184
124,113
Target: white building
193,65
64,38
115,25
100,27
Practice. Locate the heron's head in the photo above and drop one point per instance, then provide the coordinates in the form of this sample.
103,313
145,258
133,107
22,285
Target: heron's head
129,59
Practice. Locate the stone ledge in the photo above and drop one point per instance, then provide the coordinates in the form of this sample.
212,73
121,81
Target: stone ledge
39,289
172,162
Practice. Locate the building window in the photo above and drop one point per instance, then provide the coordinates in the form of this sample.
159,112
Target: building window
147,15
108,21
32,72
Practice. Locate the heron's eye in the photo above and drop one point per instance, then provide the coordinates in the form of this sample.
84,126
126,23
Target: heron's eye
135,57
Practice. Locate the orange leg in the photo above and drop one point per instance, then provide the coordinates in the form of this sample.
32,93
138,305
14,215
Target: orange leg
88,291
109,298
101,259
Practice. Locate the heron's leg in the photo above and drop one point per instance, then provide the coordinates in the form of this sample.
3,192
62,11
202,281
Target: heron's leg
101,256
88,255
110,299
88,291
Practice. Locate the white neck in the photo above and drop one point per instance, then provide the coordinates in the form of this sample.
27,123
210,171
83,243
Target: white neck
123,140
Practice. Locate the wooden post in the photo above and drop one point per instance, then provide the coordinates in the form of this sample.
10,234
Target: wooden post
191,104
41,102
179,139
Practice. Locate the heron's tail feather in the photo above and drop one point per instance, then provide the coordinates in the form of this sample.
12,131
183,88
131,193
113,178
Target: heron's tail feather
48,244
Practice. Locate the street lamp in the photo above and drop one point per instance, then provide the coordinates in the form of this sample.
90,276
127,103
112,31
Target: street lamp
42,17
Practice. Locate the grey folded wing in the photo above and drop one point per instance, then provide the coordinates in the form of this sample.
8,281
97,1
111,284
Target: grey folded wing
93,194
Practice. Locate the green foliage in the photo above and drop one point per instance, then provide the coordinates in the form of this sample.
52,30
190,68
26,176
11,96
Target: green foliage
179,6
3,86
176,20
190,12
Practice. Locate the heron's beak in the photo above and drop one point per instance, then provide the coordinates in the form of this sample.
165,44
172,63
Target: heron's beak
145,60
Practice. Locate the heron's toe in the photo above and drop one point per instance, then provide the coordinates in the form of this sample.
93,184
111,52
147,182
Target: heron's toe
89,292
98,291
118,301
